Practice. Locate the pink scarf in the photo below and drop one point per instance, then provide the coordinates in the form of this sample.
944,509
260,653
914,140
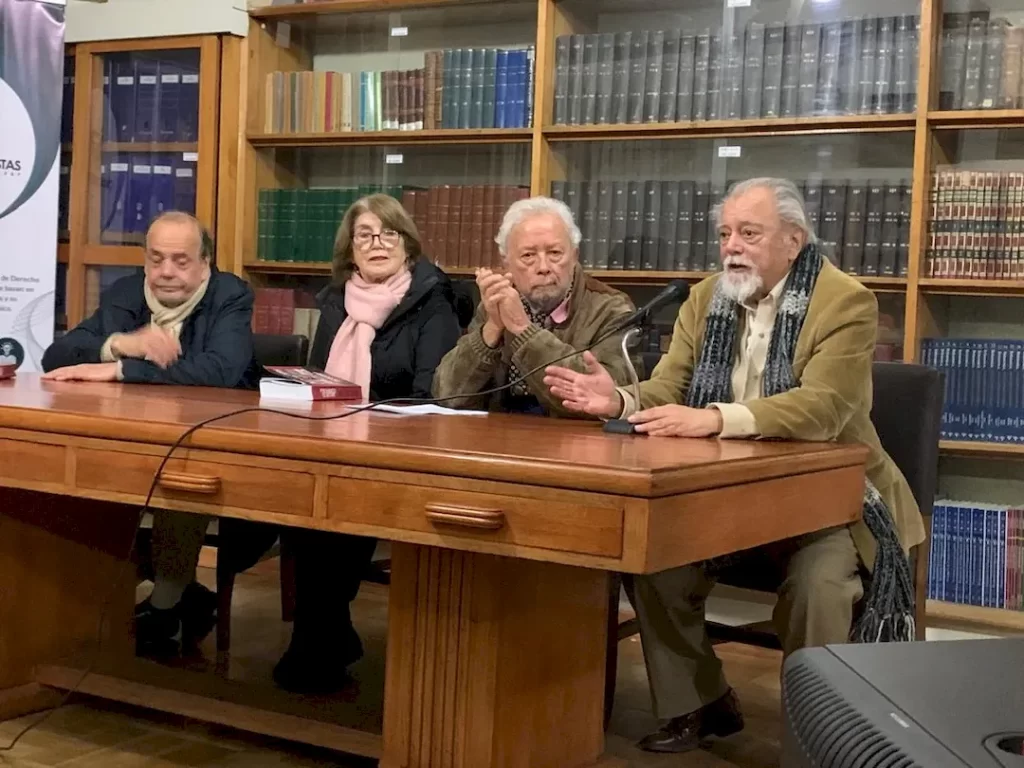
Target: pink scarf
368,305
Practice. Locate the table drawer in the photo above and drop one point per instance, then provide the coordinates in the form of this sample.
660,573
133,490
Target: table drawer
259,489
547,524
32,462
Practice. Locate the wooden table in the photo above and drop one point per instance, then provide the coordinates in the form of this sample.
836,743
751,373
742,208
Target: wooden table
505,529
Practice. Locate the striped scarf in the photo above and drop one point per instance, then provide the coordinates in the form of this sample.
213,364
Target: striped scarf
888,607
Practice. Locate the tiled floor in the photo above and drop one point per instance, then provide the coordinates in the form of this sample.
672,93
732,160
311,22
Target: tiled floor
93,734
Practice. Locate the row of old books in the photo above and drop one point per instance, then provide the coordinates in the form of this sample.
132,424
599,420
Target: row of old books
456,224
457,88
284,312
138,186
980,65
151,96
976,226
984,387
977,554
666,226
857,66
299,225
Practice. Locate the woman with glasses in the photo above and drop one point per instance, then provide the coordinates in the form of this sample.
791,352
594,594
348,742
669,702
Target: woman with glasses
386,321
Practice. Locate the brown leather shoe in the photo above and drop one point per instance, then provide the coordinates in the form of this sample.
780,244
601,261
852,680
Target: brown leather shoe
721,717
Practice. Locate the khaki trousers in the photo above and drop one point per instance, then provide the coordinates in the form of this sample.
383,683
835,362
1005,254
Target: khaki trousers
820,586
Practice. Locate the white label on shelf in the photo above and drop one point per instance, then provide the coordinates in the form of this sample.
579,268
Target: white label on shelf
739,3
119,167
399,31
394,159
733,150
190,157
183,173
142,169
126,80
162,170
170,78
147,79
190,79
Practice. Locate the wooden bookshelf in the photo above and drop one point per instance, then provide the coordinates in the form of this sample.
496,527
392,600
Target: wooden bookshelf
960,287
714,129
977,118
126,147
973,618
393,138
288,268
982,450
295,11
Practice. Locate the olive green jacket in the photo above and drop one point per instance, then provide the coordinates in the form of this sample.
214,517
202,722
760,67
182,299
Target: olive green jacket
832,364
472,366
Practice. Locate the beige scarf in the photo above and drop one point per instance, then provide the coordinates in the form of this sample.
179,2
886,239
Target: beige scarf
171,319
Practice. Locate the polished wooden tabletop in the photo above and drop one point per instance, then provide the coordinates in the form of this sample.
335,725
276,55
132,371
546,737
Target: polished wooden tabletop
565,453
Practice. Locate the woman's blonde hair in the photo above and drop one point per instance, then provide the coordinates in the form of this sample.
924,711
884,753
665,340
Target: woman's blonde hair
392,216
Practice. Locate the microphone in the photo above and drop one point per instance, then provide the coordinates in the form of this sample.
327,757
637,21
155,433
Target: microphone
675,291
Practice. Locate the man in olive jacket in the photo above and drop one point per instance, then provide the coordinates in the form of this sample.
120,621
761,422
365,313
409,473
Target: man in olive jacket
543,308
779,345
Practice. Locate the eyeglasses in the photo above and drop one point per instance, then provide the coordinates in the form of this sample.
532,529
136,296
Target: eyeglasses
389,238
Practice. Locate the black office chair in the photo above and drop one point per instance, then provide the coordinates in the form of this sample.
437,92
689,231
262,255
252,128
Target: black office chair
907,415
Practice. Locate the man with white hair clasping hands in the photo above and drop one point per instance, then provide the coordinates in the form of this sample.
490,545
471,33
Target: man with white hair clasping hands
778,345
544,306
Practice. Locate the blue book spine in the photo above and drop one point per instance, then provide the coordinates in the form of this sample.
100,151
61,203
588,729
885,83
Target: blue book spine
953,572
114,199
109,121
933,553
447,89
147,99
122,99
169,96
1004,514
140,196
501,90
517,86
163,185
185,182
188,102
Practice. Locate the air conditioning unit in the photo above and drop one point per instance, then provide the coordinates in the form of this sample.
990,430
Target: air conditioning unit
948,704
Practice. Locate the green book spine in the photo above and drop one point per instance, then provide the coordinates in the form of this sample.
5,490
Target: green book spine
263,225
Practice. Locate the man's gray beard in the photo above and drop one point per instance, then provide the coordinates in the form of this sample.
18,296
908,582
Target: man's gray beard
547,305
741,290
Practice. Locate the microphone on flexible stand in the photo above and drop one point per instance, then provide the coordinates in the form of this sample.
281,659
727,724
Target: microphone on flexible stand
676,291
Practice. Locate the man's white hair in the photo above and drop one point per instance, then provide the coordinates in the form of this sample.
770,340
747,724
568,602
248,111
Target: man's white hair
521,210
788,201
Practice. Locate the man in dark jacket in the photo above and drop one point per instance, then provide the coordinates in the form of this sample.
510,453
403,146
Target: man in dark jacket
181,322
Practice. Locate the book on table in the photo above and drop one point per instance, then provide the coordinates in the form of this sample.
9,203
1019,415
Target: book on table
299,383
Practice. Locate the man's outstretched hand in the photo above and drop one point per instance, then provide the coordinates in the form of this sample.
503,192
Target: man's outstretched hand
592,392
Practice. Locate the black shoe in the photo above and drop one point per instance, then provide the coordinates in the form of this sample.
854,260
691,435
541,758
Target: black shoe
198,614
172,631
157,631
721,718
318,668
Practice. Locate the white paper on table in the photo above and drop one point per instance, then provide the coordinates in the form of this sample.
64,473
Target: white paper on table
423,410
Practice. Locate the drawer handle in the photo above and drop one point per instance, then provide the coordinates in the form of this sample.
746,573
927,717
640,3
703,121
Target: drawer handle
466,517
179,481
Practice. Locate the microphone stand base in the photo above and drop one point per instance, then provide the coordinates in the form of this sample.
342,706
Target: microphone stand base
620,427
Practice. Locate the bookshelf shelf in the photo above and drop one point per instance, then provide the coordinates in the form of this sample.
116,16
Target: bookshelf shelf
326,7
147,147
998,619
112,255
734,128
288,268
972,287
981,450
393,138
976,118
